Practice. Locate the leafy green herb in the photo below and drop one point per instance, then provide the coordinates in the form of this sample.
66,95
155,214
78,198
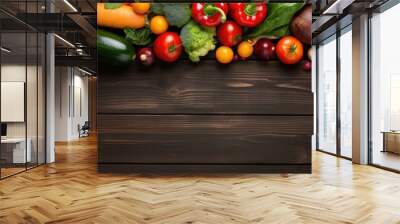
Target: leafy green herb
112,5
278,21
197,40
138,37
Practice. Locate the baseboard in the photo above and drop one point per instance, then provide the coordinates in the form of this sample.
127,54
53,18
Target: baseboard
203,168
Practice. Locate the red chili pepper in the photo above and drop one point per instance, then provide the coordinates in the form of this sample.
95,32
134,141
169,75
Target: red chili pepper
248,14
209,14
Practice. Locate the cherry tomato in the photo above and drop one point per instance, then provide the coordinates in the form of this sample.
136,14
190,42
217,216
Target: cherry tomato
141,7
229,33
245,49
289,50
168,47
224,54
158,24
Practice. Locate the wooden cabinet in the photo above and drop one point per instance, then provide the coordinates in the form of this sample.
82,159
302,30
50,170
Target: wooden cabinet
391,142
244,117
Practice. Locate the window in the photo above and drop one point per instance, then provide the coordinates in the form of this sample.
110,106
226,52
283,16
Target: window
327,95
385,89
346,73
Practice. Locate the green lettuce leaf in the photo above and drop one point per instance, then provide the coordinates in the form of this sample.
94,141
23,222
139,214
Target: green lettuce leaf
277,23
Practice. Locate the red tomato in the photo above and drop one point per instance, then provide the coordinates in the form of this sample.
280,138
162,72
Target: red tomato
229,34
289,50
168,47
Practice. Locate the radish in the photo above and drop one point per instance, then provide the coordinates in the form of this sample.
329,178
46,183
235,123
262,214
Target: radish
146,56
307,66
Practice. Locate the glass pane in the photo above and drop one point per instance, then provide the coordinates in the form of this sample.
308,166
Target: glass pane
346,93
22,88
32,97
385,114
327,96
41,99
14,153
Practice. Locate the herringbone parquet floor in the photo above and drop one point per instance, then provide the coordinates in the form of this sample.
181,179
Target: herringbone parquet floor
71,191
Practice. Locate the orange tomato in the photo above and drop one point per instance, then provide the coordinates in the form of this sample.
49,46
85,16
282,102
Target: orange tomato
245,49
141,8
158,24
224,55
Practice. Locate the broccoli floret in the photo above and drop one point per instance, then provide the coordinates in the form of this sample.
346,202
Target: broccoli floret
197,40
176,14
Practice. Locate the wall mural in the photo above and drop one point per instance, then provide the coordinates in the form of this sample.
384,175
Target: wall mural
144,33
204,86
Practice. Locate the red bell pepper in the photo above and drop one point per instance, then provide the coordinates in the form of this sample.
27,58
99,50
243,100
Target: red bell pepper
248,14
209,14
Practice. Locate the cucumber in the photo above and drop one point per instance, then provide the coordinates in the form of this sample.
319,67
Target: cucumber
114,49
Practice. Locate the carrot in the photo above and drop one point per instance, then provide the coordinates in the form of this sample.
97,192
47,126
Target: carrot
122,17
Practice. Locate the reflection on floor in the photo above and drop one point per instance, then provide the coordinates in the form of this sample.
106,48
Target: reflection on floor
346,152
72,191
387,159
11,169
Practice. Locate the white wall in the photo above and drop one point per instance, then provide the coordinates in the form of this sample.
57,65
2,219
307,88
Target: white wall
80,112
33,126
50,94
62,82
17,73
71,103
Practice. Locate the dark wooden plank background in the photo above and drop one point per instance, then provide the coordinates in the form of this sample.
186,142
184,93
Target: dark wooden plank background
204,139
250,87
251,112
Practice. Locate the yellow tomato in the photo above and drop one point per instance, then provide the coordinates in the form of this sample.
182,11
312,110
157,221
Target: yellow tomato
141,8
245,49
224,54
158,24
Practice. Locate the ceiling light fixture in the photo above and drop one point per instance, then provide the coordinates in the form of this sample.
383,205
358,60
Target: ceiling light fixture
337,7
331,7
5,50
70,5
65,41
84,71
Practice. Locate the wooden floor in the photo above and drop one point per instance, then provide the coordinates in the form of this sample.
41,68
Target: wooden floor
387,159
71,191
5,172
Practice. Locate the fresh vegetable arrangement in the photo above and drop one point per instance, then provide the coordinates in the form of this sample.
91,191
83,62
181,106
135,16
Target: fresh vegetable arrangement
229,31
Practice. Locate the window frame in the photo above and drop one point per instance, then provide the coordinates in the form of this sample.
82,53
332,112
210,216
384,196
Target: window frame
337,34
